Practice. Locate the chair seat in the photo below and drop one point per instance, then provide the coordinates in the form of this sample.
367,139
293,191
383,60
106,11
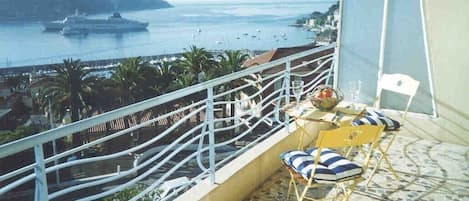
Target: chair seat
374,117
331,167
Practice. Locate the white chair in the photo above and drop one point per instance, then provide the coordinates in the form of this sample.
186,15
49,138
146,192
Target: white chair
401,84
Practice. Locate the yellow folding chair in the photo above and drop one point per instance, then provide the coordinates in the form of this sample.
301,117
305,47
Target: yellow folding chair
321,165
397,83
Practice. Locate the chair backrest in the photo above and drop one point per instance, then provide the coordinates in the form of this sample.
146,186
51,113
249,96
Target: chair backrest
398,83
349,136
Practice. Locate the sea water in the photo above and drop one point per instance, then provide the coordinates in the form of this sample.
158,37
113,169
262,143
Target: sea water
253,26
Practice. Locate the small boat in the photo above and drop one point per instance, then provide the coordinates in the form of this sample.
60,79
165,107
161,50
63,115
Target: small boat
258,30
199,30
245,34
218,42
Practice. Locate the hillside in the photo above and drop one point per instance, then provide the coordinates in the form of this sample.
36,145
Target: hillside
58,9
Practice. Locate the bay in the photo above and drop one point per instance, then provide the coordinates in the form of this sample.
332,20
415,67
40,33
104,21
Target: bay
253,26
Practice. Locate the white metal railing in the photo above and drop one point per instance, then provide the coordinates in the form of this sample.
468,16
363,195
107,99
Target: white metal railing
185,147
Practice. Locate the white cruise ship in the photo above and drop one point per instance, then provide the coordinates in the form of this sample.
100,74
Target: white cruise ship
79,24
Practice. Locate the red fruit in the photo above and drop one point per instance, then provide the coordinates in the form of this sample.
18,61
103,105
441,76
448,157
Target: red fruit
327,93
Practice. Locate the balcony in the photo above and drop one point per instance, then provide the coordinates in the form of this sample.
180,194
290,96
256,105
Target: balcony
190,133
220,140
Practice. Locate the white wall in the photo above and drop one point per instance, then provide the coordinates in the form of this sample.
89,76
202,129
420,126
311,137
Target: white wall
447,24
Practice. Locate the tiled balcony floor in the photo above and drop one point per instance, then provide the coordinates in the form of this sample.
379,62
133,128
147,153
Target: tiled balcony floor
427,170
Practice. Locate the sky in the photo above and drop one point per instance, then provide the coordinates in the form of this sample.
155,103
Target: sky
225,1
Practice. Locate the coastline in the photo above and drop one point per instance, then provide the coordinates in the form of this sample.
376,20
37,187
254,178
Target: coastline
101,64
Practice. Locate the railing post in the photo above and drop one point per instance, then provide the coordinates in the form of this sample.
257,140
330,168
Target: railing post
287,91
211,133
54,144
41,193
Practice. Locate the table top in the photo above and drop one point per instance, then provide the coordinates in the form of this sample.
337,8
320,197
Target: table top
347,111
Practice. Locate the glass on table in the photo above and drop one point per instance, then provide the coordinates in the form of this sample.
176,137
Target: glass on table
297,87
354,88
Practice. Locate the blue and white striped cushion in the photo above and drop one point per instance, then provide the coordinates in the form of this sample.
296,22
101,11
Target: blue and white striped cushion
342,167
373,117
375,113
303,164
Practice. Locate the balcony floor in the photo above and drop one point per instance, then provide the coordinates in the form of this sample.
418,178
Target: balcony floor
427,170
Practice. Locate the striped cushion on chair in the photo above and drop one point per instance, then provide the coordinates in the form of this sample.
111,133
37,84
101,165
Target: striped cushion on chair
374,117
342,167
303,164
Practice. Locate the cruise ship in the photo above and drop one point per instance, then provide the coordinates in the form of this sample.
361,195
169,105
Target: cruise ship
79,24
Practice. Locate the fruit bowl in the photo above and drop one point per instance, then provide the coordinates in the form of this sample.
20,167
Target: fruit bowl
325,98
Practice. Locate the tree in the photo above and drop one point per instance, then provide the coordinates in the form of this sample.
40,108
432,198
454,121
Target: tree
166,73
67,88
198,61
129,77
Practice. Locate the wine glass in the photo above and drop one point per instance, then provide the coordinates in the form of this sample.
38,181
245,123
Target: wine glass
297,86
354,88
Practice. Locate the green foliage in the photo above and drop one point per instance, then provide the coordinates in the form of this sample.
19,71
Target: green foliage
133,78
129,193
68,87
18,133
196,60
301,20
320,18
55,9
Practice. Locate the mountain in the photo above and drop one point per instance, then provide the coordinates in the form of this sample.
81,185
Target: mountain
58,9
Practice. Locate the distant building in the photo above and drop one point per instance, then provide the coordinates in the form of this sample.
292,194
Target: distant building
310,23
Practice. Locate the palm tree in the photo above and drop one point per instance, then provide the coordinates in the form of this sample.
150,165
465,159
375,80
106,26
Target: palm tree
166,73
128,78
198,61
68,87
232,61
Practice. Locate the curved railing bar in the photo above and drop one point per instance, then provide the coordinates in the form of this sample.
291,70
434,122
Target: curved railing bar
132,170
124,152
244,120
17,172
122,132
315,70
259,92
315,84
146,173
274,93
246,85
309,62
16,183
